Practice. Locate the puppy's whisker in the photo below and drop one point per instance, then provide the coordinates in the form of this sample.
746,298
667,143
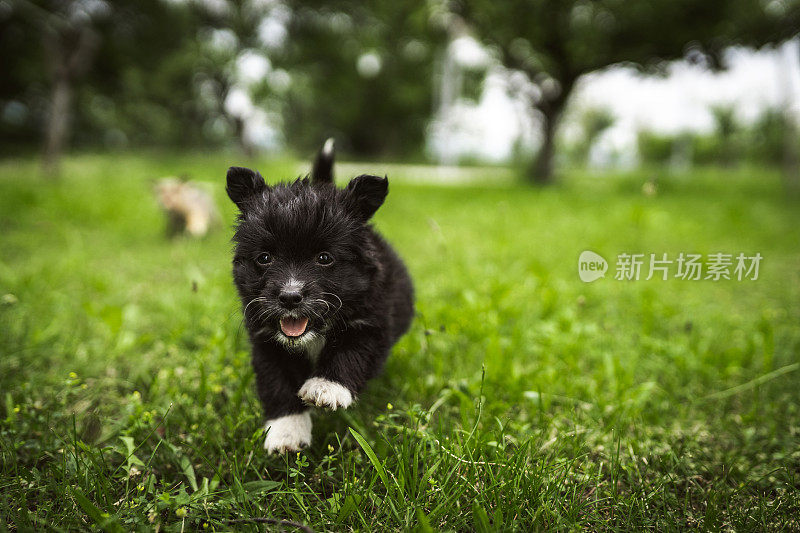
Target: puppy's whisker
254,300
339,299
321,301
318,315
264,316
327,305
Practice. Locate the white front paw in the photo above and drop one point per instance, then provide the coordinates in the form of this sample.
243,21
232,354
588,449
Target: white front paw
289,433
325,393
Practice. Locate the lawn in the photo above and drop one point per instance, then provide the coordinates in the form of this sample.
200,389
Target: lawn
521,399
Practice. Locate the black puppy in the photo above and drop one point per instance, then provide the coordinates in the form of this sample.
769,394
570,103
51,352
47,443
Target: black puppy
324,296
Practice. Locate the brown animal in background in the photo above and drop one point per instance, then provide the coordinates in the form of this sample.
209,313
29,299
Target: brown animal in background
189,208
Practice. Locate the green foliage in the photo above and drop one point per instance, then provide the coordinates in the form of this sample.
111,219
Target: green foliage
771,137
159,76
140,87
521,399
371,113
655,148
768,141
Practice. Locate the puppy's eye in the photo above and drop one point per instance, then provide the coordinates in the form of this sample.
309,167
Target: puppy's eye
264,258
324,258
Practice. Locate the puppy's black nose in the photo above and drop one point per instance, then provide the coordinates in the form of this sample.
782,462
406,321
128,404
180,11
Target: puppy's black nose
290,298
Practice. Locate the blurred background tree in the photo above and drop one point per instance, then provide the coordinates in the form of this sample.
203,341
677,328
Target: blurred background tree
138,90
277,75
361,72
730,143
555,42
593,122
726,129
67,47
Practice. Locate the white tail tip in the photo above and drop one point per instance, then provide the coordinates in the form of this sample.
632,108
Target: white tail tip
327,148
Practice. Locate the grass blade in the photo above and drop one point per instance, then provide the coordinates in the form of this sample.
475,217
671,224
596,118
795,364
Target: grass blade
372,457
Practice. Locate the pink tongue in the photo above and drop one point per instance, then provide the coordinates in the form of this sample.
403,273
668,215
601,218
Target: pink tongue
293,327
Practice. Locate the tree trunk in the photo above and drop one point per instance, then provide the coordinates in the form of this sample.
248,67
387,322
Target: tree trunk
542,169
69,50
57,125
551,110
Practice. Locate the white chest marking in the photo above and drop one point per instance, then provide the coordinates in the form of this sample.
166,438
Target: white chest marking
314,347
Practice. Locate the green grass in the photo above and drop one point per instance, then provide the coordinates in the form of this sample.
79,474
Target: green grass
521,399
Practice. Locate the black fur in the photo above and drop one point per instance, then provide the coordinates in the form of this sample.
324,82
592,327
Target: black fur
361,303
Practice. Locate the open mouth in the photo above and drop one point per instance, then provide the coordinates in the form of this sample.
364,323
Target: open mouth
293,326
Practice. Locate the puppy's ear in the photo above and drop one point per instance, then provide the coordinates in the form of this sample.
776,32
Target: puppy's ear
242,184
366,194
322,172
